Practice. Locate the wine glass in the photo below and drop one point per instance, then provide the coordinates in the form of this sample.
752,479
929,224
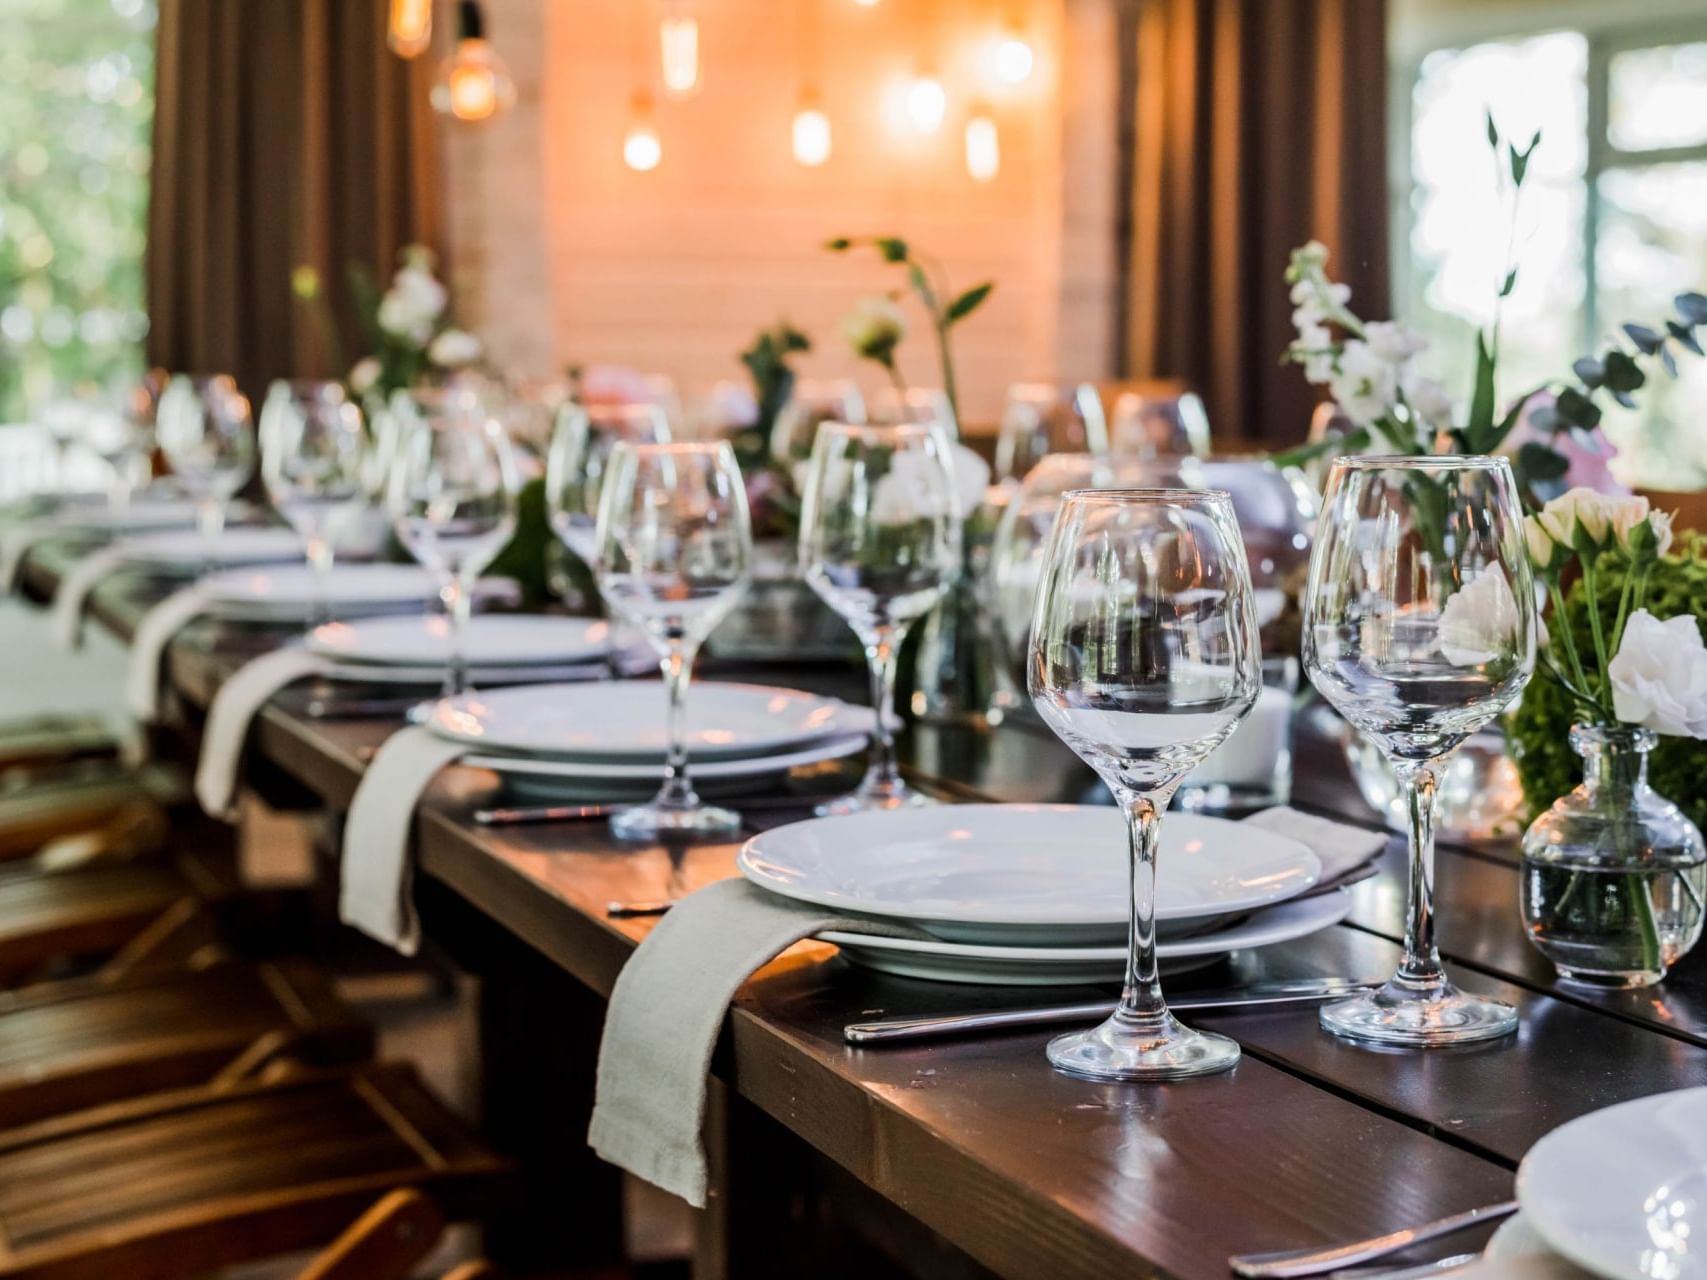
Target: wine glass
203,425
674,551
1041,418
1419,628
880,543
1144,658
452,499
919,406
578,459
313,455
1161,421
811,402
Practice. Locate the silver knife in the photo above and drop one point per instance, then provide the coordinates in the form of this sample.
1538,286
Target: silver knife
886,1030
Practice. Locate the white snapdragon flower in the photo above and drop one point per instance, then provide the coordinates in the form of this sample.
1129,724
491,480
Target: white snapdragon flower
455,348
1314,349
1480,620
363,374
1365,386
1428,397
1659,675
1393,342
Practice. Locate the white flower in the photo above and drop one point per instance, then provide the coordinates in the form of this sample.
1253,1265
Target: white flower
913,488
874,328
363,374
454,348
1659,675
1480,620
1311,256
1542,546
415,300
1660,522
1428,398
1579,507
1317,300
1314,349
1366,385
398,317
1393,342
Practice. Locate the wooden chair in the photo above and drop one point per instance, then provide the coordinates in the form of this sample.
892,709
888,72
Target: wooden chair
137,914
43,742
106,810
90,1041
387,1242
180,1183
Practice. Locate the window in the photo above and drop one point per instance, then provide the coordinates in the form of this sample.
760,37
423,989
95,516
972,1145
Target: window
76,103
1613,216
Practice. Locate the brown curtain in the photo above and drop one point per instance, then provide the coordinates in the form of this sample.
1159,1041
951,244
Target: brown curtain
285,134
1260,124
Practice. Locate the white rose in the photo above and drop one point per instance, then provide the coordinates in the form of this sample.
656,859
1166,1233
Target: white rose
1480,620
454,348
1542,546
1659,675
1428,398
401,318
1366,385
363,374
1579,506
1393,342
912,489
874,327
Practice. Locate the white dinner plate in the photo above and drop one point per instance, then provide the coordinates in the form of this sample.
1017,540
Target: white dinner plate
493,640
1517,1239
625,720
1013,873
290,591
943,961
142,514
1623,1191
186,549
566,779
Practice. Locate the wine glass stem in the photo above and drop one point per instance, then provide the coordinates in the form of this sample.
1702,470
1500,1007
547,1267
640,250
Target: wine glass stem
677,791
880,654
453,593
319,551
1421,962
210,521
1141,996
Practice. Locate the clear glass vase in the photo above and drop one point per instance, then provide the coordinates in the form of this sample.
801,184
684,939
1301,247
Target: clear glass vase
1614,876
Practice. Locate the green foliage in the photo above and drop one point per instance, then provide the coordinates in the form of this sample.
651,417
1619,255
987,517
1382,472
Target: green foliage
773,382
523,558
76,107
1540,726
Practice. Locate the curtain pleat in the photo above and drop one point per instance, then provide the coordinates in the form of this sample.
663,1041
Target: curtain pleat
285,134
1260,124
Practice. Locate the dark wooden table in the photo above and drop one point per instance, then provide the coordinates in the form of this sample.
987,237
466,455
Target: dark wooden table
993,1160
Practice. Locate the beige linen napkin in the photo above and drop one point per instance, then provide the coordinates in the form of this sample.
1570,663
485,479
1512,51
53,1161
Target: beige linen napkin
229,716
72,598
376,895
148,648
670,999
665,1013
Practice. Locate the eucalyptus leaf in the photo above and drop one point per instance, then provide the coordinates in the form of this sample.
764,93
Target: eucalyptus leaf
1591,372
1547,418
1668,361
1540,462
1625,398
1622,372
1685,336
1692,307
1646,340
1577,409
969,301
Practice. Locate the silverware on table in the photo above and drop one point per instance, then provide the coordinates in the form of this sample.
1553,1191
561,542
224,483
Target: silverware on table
632,910
543,813
1290,1263
888,1030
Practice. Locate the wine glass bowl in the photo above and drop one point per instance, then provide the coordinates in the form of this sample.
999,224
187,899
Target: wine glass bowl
880,544
1419,628
204,427
1143,658
578,458
673,555
1045,418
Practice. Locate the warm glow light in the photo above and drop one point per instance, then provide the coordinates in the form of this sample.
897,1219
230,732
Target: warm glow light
983,148
411,27
473,83
811,136
678,45
927,104
866,4
642,149
1014,59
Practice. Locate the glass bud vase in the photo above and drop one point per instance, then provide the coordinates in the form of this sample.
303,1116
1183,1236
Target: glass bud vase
1614,876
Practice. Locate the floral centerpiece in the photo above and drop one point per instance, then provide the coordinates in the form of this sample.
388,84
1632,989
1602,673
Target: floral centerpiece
1614,874
407,329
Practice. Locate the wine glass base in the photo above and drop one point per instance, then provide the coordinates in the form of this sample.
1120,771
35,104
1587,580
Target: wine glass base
1128,1048
1419,1017
864,801
653,821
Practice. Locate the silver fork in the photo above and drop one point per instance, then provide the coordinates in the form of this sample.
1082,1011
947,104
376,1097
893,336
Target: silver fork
1288,1264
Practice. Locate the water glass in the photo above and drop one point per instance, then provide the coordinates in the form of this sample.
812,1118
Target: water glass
1144,658
205,429
313,455
1042,418
812,402
880,543
452,500
673,554
1420,628
578,459
1159,422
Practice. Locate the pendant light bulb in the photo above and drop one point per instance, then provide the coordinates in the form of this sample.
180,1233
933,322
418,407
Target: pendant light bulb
811,132
642,148
927,103
678,48
866,4
1014,59
983,147
473,83
410,30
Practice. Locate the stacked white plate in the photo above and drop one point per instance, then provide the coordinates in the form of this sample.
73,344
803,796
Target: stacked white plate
1037,894
287,593
500,648
178,552
572,739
